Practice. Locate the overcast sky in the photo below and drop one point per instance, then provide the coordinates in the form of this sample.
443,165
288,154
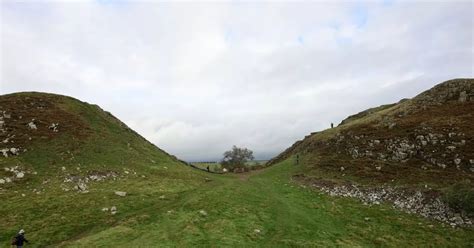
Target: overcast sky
196,79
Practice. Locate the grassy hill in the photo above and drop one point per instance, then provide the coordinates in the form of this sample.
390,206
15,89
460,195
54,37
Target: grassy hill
63,175
424,144
63,181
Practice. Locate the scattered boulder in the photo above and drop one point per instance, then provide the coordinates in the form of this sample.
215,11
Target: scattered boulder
457,161
121,193
54,127
5,151
10,151
20,174
14,151
202,213
81,187
32,125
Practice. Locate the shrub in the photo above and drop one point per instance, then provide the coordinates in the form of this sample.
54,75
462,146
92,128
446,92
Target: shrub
460,196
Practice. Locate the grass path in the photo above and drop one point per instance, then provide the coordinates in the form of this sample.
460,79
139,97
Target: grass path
266,209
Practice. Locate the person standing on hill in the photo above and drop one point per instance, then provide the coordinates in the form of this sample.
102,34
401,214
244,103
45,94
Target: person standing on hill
20,239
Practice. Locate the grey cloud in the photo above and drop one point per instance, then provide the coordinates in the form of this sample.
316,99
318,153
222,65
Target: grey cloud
196,79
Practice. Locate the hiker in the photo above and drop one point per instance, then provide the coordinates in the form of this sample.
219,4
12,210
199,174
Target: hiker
19,239
332,125
208,169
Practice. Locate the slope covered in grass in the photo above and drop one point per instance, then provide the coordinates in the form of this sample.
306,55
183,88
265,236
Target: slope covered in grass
69,158
168,204
267,209
424,144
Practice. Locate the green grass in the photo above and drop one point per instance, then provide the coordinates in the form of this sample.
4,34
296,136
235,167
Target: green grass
286,214
162,208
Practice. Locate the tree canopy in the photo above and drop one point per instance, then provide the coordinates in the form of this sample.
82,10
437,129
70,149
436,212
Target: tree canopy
237,157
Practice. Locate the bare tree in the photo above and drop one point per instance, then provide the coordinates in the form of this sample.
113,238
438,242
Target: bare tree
237,157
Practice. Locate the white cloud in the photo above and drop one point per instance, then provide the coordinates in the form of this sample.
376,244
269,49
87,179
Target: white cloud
197,78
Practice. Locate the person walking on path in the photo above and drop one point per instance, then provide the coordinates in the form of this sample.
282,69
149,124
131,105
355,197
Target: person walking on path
20,239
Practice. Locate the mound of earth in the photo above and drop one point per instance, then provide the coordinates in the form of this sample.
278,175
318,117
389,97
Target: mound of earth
425,143
45,135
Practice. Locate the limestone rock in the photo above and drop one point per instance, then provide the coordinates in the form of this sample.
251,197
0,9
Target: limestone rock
54,127
32,125
121,193
14,151
20,174
457,161
5,151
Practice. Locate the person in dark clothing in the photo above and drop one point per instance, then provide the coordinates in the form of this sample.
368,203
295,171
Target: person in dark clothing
20,239
208,168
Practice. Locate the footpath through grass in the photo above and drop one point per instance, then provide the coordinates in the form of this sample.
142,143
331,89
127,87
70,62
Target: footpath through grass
266,209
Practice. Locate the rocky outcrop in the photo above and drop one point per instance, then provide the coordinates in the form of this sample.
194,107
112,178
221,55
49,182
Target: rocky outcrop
393,150
426,203
441,149
461,90
81,183
406,130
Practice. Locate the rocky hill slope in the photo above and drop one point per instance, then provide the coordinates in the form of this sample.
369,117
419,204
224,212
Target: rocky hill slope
64,161
46,133
74,176
424,144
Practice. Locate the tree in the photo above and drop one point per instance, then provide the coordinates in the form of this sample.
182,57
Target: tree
236,158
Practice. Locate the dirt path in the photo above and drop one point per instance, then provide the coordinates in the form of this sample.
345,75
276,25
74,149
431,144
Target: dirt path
246,175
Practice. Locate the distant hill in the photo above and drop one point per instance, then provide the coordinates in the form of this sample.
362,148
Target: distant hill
424,142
